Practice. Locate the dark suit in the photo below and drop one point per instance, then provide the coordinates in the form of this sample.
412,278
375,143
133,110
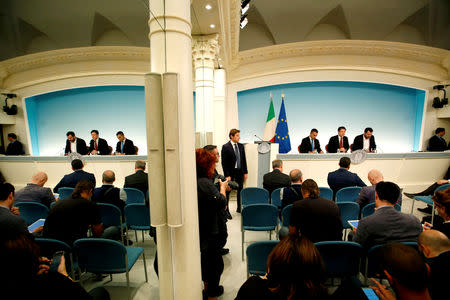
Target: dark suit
437,143
342,178
138,180
34,193
107,193
81,147
333,144
305,146
11,225
128,147
14,148
317,219
367,196
387,225
229,167
358,143
274,180
102,147
71,180
291,194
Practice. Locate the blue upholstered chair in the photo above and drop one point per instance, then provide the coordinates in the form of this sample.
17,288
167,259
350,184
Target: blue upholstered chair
32,211
137,217
286,215
427,199
49,246
254,195
369,209
326,192
134,196
341,258
257,254
111,216
275,197
258,217
348,194
107,257
65,192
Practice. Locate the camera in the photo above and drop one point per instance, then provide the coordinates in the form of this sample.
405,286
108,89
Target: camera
232,184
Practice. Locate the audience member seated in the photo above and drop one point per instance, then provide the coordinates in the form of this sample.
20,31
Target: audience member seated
69,219
437,142
138,180
342,177
14,147
292,193
295,270
315,217
211,205
386,224
71,180
25,275
107,193
276,179
442,203
35,191
367,194
405,270
435,246
75,144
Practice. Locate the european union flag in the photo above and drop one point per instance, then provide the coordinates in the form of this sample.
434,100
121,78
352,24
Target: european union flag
282,131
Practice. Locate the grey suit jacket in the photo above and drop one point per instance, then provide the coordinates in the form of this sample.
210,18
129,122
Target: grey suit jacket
11,225
367,196
387,225
34,193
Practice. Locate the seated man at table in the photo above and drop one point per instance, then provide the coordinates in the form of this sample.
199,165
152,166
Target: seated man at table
138,180
14,147
292,193
310,144
386,224
35,191
71,180
276,179
342,177
367,194
365,141
98,146
69,219
107,193
75,144
124,146
339,142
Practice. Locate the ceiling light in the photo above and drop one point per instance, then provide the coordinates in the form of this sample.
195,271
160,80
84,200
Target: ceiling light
212,26
208,6
244,21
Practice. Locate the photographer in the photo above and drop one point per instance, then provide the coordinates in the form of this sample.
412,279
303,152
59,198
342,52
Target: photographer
211,204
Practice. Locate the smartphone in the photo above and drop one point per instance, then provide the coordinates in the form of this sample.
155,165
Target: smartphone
56,261
370,294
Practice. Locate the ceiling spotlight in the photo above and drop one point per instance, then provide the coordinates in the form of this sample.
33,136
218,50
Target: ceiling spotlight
244,21
245,5
212,26
208,6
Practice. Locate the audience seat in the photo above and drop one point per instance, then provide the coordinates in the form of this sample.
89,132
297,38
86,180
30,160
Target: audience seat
112,216
254,195
348,211
326,192
276,197
65,192
348,194
134,196
428,200
369,209
32,211
48,247
137,217
257,254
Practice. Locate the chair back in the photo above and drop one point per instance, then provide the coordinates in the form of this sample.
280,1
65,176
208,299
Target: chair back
50,246
32,211
254,195
257,254
111,214
134,196
348,194
136,148
286,215
275,197
372,256
326,192
137,216
259,217
341,258
348,211
100,255
369,209
65,192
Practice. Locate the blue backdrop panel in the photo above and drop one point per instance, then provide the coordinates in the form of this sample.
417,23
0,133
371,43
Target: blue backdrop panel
105,108
394,112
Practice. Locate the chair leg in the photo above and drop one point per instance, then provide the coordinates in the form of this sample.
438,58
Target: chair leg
135,234
128,285
270,234
242,245
412,205
142,231
110,277
432,215
145,267
248,271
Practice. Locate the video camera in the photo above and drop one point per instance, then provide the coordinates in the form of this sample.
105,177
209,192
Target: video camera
232,184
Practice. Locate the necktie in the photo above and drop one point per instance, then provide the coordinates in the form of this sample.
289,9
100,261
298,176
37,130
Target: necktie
341,144
238,156
95,146
312,144
122,147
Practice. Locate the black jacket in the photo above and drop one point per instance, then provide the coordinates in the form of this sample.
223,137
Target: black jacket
102,147
358,143
274,180
14,148
81,147
128,147
437,144
333,144
305,146
229,159
138,180
71,180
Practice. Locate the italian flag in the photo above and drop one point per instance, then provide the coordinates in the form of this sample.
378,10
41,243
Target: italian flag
271,125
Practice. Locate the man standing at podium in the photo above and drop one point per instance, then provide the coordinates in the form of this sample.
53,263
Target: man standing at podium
234,164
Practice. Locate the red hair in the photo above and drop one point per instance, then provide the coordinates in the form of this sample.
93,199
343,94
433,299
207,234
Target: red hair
206,163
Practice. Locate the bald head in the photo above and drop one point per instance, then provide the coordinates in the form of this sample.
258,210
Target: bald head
108,177
375,176
433,242
296,176
40,178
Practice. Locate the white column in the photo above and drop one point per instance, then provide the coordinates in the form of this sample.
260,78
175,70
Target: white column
204,51
220,130
178,248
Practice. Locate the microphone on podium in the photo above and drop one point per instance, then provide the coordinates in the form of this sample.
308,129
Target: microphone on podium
259,138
